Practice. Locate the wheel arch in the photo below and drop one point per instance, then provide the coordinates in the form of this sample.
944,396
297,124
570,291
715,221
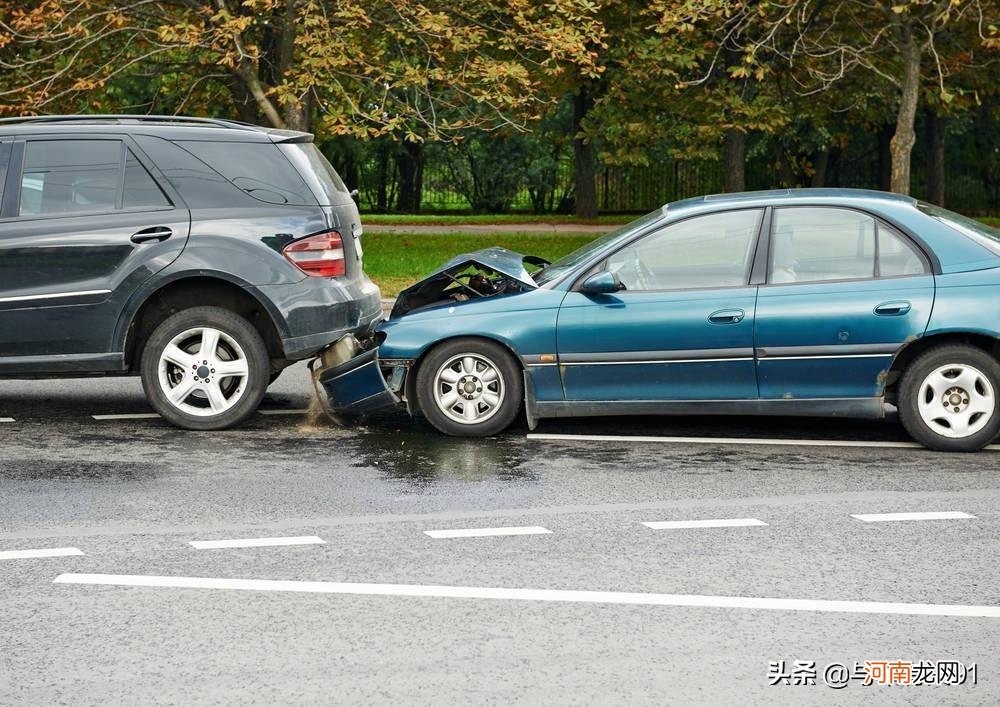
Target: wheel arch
182,291
913,349
409,386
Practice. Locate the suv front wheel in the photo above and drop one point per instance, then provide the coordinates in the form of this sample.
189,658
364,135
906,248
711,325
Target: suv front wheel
205,368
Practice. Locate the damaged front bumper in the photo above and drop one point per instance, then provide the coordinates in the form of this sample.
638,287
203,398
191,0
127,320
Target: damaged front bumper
355,381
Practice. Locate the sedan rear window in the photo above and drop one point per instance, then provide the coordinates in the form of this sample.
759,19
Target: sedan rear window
982,234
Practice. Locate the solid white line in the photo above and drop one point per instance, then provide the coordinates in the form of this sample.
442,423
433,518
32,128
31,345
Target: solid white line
720,523
932,515
283,412
484,532
48,552
128,416
257,542
737,440
553,595
6,419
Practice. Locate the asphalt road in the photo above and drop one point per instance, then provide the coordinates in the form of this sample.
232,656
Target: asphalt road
370,608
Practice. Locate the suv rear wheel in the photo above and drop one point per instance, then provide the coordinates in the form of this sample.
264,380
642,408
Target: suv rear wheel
205,368
948,399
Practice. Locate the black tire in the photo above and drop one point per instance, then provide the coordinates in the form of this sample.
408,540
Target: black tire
910,388
509,375
249,390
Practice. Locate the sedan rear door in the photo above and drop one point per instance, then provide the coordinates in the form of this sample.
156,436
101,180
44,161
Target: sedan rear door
845,291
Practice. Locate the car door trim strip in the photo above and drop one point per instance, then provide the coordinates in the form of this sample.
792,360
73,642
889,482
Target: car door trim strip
55,295
676,356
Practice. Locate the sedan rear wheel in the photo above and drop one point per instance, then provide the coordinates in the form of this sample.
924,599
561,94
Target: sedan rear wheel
948,399
469,388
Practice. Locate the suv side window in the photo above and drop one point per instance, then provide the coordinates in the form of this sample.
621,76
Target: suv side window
70,176
4,159
820,244
140,189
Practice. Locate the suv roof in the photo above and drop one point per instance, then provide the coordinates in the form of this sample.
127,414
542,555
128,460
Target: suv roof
173,126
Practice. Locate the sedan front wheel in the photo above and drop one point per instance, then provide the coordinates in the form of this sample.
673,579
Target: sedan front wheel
469,388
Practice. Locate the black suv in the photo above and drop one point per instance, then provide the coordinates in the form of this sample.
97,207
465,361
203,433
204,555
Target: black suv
203,255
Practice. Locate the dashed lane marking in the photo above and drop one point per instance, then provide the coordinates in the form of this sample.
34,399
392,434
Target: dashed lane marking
486,532
284,412
128,416
736,440
257,542
719,523
45,552
7,419
540,595
931,515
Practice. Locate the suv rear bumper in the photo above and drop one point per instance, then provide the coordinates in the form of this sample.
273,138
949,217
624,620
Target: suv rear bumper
319,311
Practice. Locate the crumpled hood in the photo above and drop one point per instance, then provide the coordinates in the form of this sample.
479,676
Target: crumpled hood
429,290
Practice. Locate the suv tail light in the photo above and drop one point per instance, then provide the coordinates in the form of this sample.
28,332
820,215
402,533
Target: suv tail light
321,255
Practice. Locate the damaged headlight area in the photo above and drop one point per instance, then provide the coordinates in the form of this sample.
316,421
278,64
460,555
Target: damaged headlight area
485,273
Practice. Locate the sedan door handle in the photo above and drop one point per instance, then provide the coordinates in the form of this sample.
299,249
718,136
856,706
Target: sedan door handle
156,233
727,316
893,309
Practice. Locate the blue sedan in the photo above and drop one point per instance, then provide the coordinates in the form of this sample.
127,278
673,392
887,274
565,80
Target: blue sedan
803,302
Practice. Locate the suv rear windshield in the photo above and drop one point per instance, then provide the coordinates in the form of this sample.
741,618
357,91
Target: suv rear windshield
322,177
982,234
257,168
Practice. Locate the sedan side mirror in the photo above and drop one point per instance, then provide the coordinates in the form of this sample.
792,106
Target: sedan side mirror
602,283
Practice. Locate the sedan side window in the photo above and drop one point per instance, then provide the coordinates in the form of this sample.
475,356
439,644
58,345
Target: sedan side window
70,176
701,252
817,244
897,257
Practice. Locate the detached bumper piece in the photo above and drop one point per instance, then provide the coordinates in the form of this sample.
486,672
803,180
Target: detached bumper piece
356,386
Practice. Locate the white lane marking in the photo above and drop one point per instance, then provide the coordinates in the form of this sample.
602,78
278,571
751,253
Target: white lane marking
554,595
485,532
284,412
257,542
128,416
46,552
719,523
737,440
931,515
6,419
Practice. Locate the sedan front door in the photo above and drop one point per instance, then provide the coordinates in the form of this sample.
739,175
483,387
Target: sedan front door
681,330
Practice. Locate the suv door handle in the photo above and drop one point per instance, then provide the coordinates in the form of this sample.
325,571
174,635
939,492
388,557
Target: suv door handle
727,316
893,309
156,233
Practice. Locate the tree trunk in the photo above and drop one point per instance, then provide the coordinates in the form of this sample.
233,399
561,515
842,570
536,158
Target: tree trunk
583,159
906,134
410,161
885,157
935,158
820,162
736,156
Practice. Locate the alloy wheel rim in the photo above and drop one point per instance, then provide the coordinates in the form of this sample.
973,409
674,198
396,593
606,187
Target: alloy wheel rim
469,388
956,401
203,372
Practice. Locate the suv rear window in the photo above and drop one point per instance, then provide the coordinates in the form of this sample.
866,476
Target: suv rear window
322,177
982,234
256,168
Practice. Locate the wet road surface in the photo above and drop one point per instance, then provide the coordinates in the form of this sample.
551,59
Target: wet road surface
395,583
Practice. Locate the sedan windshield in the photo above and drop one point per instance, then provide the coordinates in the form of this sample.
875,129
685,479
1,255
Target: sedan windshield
568,262
976,230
